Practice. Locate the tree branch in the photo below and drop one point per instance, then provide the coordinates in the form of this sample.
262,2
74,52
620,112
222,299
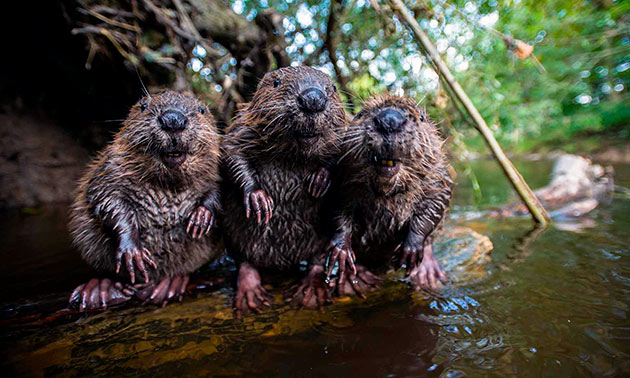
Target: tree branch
337,12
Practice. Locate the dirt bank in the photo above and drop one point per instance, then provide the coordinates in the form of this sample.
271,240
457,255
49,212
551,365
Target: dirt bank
39,162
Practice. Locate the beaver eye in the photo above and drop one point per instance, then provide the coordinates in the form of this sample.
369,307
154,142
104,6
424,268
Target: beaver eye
334,88
201,110
276,83
421,118
143,106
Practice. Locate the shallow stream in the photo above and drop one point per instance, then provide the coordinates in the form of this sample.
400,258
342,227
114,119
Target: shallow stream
551,303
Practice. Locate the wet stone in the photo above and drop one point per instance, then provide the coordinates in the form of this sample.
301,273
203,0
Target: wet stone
152,341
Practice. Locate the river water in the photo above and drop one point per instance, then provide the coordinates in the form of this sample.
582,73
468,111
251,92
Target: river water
550,303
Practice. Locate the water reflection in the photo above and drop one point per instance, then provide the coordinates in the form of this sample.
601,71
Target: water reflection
551,302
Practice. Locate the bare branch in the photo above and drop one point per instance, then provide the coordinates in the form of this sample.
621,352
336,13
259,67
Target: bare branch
337,12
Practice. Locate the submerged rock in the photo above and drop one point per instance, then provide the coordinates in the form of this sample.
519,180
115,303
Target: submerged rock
152,340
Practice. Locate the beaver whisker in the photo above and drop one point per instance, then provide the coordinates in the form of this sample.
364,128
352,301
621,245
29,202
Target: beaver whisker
354,133
113,120
420,101
208,133
354,138
276,119
354,150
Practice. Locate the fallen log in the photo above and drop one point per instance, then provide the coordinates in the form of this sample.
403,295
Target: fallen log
576,188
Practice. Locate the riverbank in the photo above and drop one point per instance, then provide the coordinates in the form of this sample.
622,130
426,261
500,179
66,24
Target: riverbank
604,148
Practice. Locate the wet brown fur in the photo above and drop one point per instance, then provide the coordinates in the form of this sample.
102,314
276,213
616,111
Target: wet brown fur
263,152
129,181
379,210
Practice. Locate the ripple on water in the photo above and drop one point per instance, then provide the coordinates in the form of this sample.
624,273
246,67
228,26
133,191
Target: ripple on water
551,305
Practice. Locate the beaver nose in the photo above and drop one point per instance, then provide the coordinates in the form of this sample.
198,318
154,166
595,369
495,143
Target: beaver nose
312,100
173,121
390,121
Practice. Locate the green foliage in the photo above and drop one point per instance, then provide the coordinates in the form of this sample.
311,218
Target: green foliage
584,47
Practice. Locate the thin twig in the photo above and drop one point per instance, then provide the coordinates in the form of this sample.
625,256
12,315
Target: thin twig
190,27
112,39
331,43
110,21
536,209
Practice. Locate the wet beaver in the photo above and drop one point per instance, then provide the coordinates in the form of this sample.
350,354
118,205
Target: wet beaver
146,204
276,150
395,193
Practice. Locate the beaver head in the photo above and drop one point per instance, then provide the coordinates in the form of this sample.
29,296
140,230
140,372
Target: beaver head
169,132
296,109
396,141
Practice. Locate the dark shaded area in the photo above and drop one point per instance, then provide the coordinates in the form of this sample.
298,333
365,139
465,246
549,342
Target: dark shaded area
45,74
54,113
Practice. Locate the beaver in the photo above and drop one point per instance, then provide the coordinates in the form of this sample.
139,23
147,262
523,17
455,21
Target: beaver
278,150
395,193
127,219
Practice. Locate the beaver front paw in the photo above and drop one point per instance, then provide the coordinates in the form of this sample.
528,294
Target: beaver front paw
98,294
340,253
312,292
250,294
428,274
319,183
200,222
412,252
134,258
358,284
259,202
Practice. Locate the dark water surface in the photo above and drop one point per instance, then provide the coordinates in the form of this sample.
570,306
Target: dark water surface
551,303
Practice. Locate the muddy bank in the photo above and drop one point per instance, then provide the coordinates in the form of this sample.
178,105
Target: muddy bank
39,163
601,151
613,154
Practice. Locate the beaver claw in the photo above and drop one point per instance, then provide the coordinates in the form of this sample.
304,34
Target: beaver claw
412,253
200,222
428,274
358,284
319,183
99,294
411,257
259,202
166,291
312,292
340,253
250,294
135,255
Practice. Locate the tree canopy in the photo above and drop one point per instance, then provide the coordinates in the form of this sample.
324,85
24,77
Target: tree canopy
220,49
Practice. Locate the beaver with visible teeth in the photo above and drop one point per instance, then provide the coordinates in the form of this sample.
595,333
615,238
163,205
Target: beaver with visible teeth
290,129
395,193
145,207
